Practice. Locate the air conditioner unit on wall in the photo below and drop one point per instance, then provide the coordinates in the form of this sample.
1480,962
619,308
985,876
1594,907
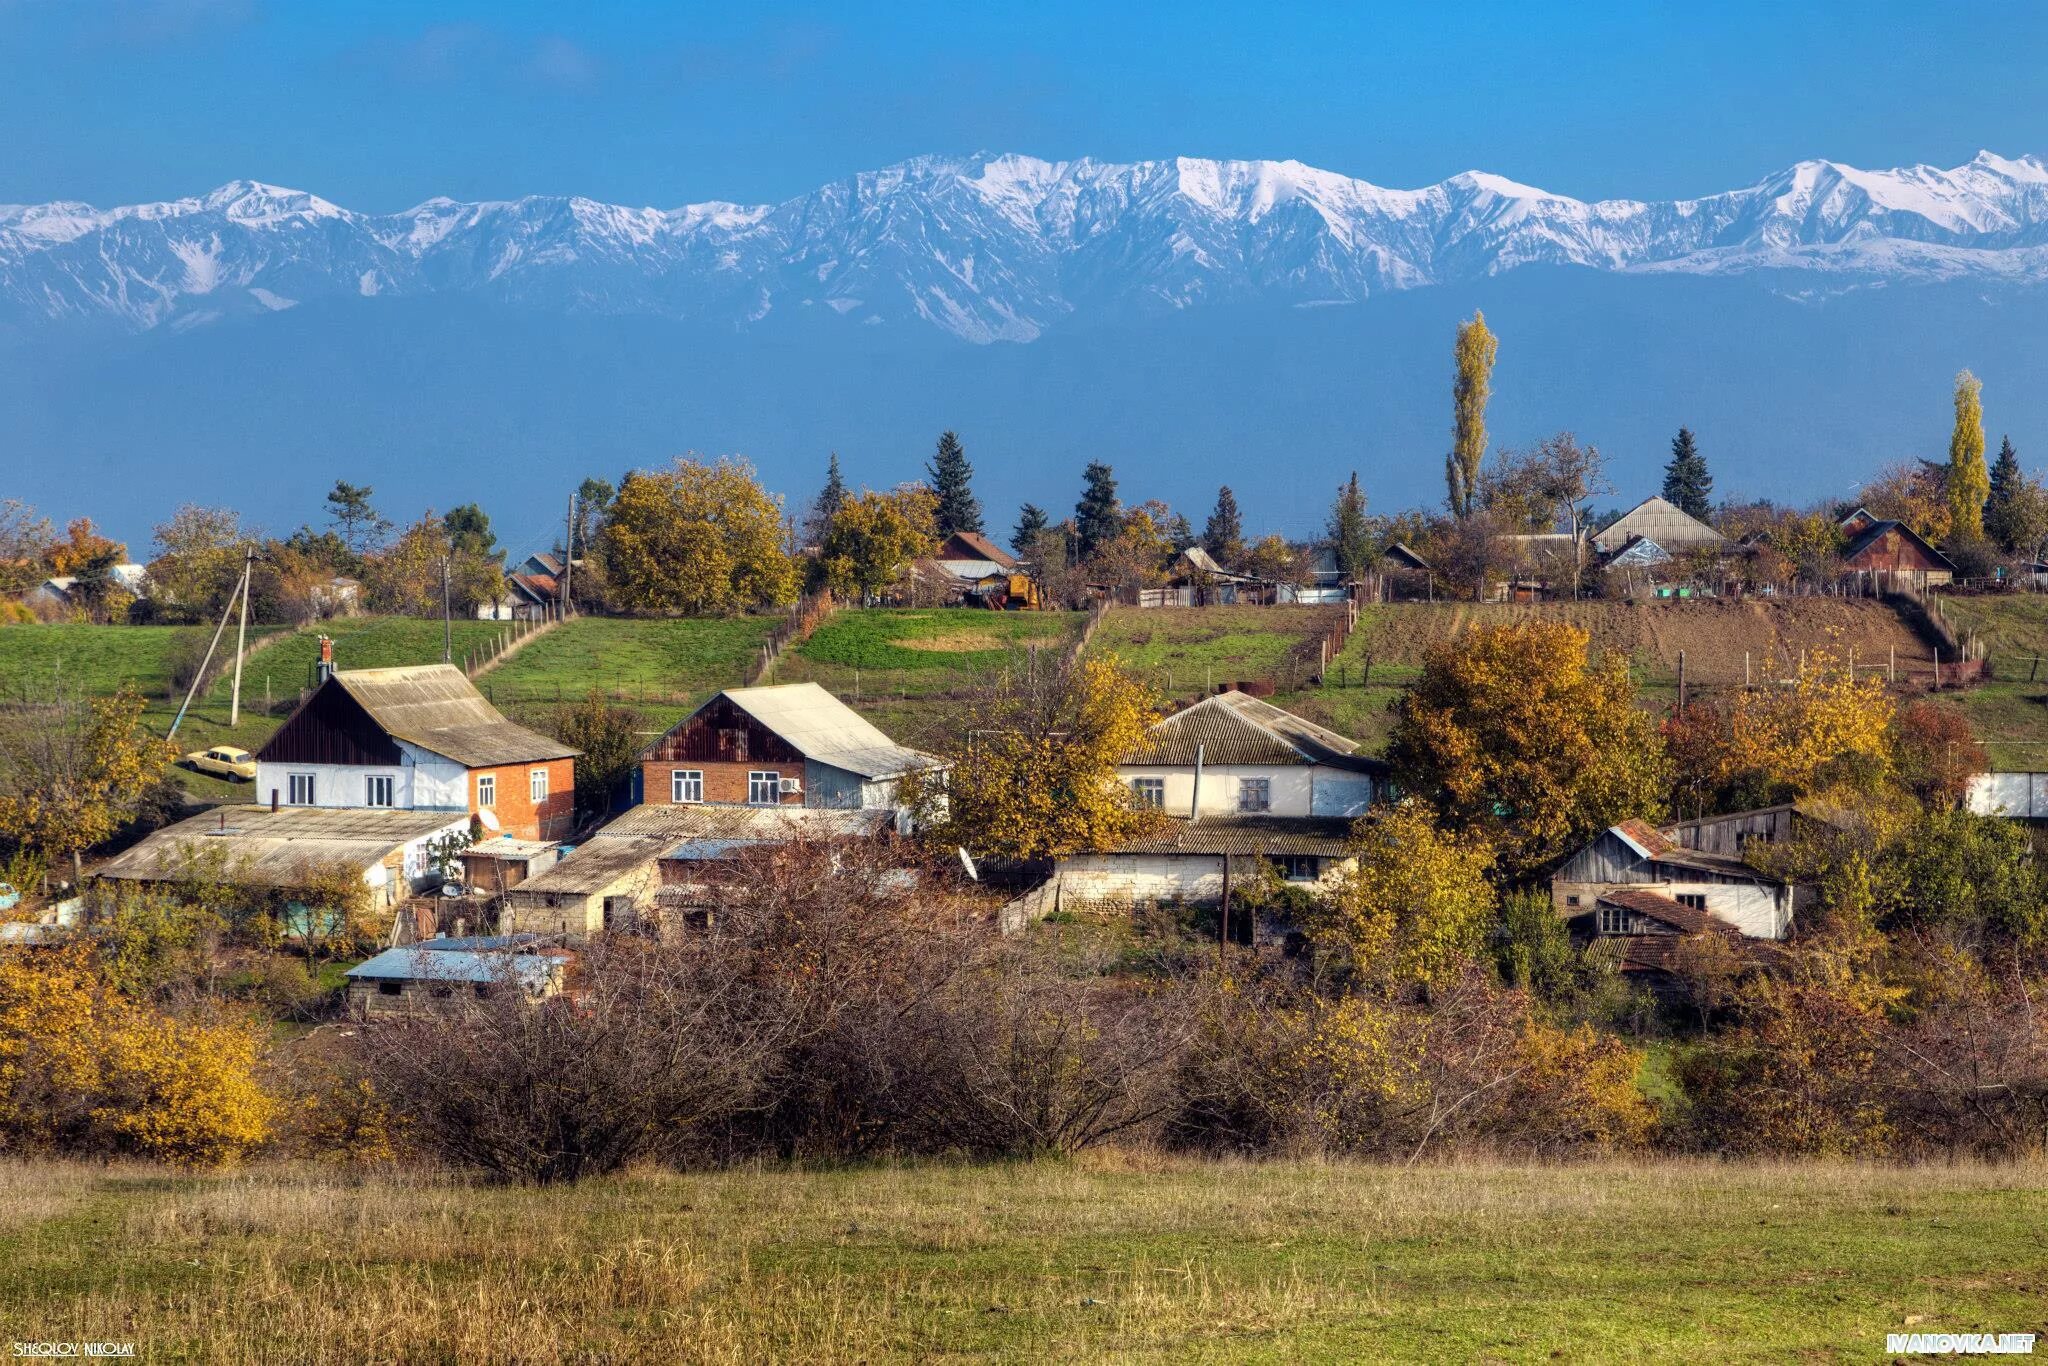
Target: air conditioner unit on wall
792,785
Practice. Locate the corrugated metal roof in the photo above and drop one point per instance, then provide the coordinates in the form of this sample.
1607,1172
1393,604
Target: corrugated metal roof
506,847
1234,728
698,821
1663,522
276,848
435,707
1658,907
419,964
1646,839
592,866
977,547
819,726
1323,836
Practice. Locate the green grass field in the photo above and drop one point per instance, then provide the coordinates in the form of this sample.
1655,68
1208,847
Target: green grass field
1110,1257
664,668
1187,651
94,660
878,653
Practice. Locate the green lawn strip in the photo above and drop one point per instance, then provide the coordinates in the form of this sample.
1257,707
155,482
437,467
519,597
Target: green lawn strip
1186,651
2011,627
907,652
679,662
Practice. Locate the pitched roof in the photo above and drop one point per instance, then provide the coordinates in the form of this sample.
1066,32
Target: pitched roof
435,707
1195,560
1235,728
1877,531
1324,836
752,823
976,547
277,848
1679,916
1646,839
1670,526
1401,553
821,727
418,963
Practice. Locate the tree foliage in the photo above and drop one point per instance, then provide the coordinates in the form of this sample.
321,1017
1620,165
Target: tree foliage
1099,514
874,538
349,510
69,784
1415,907
955,507
1223,533
696,539
1471,385
1968,483
1030,521
1687,484
1527,744
1350,531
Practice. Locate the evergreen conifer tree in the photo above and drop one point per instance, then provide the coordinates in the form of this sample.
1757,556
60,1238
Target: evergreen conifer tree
1223,534
1687,485
2007,486
952,483
1030,521
1350,532
1097,514
830,499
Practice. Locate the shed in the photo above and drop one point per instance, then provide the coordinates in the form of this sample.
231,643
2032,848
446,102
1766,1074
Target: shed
431,978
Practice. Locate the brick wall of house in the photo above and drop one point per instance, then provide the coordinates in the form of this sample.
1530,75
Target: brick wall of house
515,808
725,784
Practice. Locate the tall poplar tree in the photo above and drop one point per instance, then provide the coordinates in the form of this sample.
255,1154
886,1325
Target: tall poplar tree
952,484
1687,485
1223,533
1471,385
1097,514
1968,483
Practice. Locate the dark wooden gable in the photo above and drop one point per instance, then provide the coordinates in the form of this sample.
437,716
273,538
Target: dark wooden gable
330,727
720,732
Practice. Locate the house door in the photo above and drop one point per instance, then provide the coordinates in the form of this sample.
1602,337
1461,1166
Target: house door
618,912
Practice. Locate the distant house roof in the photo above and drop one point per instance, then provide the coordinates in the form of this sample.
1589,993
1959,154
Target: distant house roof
277,848
419,963
437,708
1400,554
1324,837
1234,728
1640,550
820,727
132,578
1661,521
973,546
1875,532
1680,918
1646,839
1197,561
758,824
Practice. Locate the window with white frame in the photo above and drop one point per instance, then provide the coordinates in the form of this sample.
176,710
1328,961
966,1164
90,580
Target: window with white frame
1297,867
1255,794
537,785
486,790
686,785
1149,791
299,789
377,789
764,788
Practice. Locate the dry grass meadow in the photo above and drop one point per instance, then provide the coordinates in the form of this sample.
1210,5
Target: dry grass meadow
1113,1257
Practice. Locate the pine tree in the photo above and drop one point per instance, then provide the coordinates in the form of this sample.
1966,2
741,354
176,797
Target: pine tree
1223,534
1097,515
1180,532
1687,484
1351,539
830,499
952,483
1968,484
2007,486
1030,521
1470,388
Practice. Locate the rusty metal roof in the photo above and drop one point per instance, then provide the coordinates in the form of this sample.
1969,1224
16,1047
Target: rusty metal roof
437,708
276,848
1323,836
1233,728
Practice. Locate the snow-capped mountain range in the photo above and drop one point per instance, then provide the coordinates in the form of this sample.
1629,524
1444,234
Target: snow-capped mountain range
1001,248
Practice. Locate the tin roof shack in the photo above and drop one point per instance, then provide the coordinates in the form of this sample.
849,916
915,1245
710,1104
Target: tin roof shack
1651,931
420,738
1892,553
1234,755
1636,856
603,884
1192,862
493,867
257,847
971,557
788,745
703,842
435,978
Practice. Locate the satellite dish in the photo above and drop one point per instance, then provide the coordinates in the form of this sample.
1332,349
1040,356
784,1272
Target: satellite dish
489,818
967,862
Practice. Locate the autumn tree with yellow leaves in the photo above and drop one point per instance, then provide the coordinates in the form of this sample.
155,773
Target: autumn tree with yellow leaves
872,538
1040,775
70,782
696,539
1527,744
1413,910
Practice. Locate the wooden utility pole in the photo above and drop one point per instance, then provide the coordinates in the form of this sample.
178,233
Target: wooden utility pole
1681,680
447,618
569,553
241,639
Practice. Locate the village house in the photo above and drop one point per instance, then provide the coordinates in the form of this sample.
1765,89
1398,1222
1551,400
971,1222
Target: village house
1891,554
1697,864
644,865
790,744
1665,524
62,592
419,738
393,851
1236,779
1197,580
441,975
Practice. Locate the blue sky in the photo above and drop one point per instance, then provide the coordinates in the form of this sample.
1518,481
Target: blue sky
380,105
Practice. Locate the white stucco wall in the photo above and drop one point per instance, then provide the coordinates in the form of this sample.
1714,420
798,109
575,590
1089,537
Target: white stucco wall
423,781
1297,789
1138,878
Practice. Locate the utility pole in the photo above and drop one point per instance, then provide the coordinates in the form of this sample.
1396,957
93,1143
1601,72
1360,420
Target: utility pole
447,618
568,552
241,638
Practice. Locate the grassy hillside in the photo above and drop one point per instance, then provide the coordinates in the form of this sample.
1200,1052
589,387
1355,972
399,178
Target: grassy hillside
2010,713
1107,1257
923,652
95,660
662,667
1186,651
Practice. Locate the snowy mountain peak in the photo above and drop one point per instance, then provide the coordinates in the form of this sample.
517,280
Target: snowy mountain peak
1003,246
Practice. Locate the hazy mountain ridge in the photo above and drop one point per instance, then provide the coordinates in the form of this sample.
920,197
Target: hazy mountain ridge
1005,247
